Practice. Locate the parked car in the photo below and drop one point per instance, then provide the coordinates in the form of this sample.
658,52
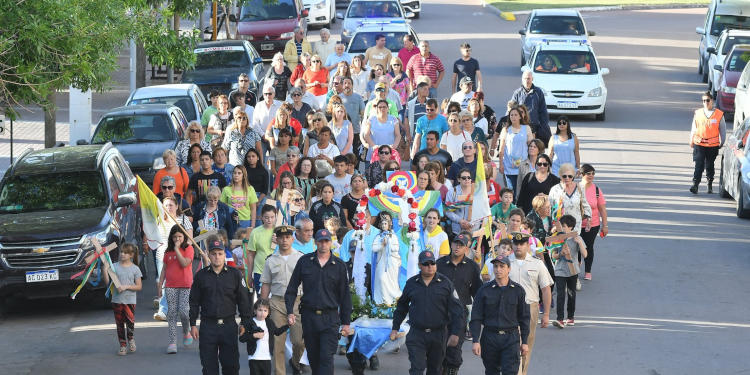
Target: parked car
730,72
552,25
721,14
269,25
570,77
394,32
731,184
360,12
220,63
142,133
187,96
320,12
742,98
716,55
52,203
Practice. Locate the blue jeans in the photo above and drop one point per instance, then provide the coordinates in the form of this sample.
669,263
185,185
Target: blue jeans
246,223
256,280
433,94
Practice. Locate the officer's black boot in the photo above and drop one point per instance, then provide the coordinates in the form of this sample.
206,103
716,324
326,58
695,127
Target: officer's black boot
710,186
694,188
374,363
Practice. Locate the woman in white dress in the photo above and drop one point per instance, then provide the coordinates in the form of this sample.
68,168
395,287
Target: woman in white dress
385,288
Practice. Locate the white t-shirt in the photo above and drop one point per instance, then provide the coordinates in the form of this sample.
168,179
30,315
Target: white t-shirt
322,166
262,350
341,185
454,143
462,98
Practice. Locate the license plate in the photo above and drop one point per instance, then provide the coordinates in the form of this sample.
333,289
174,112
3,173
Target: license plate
266,46
40,276
567,105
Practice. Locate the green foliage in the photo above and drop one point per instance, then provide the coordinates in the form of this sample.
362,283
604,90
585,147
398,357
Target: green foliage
369,308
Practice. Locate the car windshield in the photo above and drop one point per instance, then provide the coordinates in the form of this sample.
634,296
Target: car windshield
374,9
221,57
182,102
361,41
133,129
722,22
52,192
738,60
565,62
265,10
557,25
731,41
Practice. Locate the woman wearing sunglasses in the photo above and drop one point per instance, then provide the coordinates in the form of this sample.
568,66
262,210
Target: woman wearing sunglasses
598,221
538,182
461,217
573,201
374,171
317,78
195,134
563,147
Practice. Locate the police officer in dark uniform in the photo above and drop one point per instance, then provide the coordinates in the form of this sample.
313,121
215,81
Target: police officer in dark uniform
500,306
325,304
432,303
217,293
463,272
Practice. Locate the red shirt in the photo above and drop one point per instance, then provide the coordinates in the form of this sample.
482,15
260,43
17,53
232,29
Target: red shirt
284,168
320,76
493,191
176,275
295,125
296,74
405,55
419,66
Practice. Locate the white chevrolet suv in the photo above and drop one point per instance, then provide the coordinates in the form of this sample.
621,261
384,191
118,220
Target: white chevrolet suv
570,77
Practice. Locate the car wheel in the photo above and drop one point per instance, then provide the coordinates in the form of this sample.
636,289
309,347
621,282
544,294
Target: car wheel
700,66
602,116
722,190
523,59
704,78
742,212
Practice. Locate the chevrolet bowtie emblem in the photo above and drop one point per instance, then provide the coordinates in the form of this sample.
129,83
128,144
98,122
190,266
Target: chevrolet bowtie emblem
40,250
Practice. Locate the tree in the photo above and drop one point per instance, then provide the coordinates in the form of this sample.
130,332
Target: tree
48,45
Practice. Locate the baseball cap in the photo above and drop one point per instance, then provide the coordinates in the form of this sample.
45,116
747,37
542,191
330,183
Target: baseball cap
426,256
501,259
465,80
215,243
322,235
462,238
380,85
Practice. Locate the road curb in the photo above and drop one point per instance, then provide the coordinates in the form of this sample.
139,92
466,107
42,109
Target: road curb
499,12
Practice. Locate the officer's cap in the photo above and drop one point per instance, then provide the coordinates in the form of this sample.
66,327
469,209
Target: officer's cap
283,230
323,235
426,256
519,236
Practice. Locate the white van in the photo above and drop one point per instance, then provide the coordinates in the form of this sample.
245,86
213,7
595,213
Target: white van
722,14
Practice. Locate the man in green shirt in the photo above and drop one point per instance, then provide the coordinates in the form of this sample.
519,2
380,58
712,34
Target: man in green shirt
206,116
501,211
260,246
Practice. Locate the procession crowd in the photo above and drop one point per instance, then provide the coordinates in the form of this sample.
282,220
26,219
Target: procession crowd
283,179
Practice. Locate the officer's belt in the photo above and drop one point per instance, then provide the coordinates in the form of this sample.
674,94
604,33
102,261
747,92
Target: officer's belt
428,330
219,321
501,331
319,311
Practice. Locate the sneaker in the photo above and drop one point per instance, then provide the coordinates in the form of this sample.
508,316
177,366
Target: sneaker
187,340
467,336
578,285
559,324
570,322
123,350
160,316
172,349
131,346
587,276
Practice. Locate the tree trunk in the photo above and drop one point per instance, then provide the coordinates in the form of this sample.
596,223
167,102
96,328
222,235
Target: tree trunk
50,120
176,28
140,65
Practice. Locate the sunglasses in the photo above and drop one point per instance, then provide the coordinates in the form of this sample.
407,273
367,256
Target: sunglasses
465,177
195,130
379,90
590,173
298,94
706,100
167,187
395,64
542,164
468,147
384,152
427,264
562,123
316,61
298,199
317,120
267,93
567,176
244,80
336,83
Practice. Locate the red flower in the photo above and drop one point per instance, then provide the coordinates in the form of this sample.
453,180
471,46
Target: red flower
360,215
410,200
394,189
415,204
412,216
401,192
373,193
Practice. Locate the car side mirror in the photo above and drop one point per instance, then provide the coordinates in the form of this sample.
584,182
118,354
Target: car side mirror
522,32
591,33
81,142
719,67
605,71
700,30
339,15
305,13
711,50
232,18
126,199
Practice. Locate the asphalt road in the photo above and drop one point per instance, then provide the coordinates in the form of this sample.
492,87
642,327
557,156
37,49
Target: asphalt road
669,293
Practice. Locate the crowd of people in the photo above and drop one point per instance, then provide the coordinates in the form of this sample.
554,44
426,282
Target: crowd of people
280,179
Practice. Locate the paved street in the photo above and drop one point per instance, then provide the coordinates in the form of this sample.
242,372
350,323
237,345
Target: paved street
669,294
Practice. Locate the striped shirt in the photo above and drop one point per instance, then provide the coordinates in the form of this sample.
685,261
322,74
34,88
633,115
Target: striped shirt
430,66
